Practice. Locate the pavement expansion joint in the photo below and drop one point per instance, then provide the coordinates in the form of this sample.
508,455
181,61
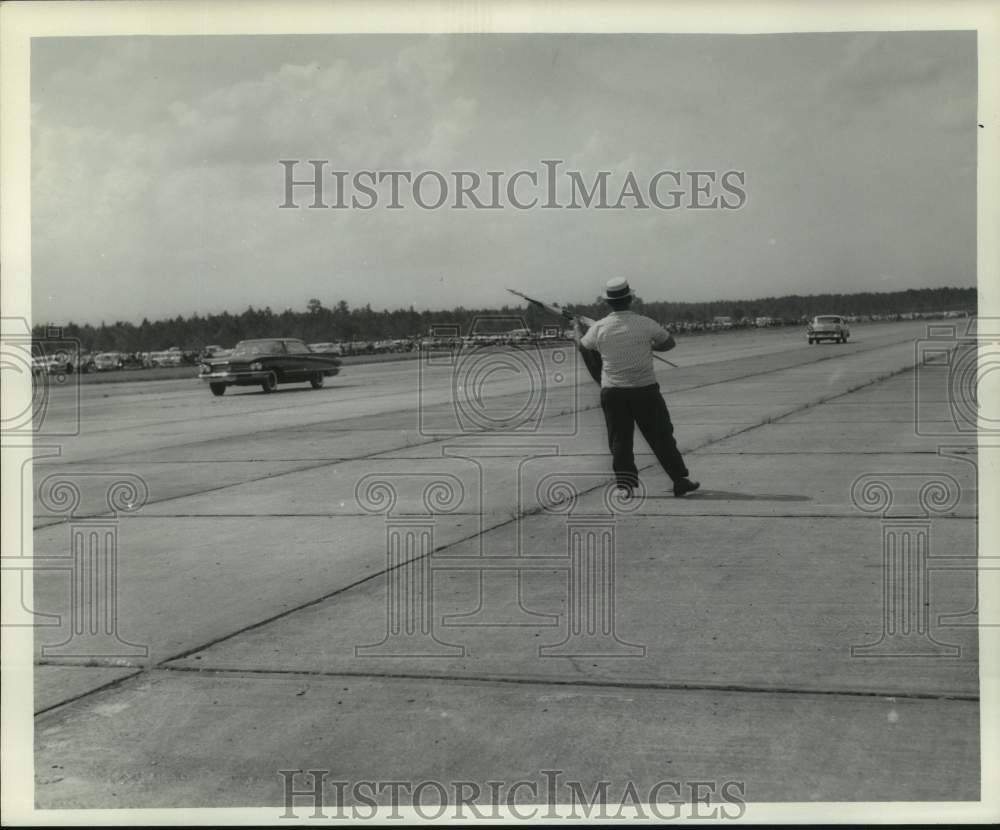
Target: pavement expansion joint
851,517
226,414
213,461
770,453
526,680
257,513
92,691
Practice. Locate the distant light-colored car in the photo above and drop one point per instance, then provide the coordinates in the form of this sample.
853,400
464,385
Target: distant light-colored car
61,363
108,361
828,327
325,348
170,357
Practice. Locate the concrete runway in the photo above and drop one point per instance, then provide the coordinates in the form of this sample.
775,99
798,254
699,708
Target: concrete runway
256,625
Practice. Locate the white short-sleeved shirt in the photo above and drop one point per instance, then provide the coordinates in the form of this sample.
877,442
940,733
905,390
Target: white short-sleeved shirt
625,340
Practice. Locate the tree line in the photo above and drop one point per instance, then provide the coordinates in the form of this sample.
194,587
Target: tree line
339,322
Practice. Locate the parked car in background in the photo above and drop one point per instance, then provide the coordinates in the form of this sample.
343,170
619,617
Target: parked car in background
108,361
326,348
53,364
828,327
267,363
520,336
170,357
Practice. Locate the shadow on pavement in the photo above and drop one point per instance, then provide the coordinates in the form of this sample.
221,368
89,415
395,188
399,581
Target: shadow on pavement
724,495
284,390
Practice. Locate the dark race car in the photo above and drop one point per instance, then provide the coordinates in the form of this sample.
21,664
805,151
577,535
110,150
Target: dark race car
266,363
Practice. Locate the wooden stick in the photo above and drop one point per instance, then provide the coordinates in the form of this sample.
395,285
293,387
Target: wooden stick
553,308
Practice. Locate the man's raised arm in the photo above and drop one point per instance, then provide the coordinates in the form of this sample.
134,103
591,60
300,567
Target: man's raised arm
663,340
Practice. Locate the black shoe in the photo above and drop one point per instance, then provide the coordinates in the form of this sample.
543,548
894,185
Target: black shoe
684,486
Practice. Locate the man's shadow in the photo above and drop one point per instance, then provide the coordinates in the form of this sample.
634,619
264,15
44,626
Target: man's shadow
725,495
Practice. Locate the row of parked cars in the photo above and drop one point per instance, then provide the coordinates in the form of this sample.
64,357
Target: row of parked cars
66,363
823,327
347,348
726,323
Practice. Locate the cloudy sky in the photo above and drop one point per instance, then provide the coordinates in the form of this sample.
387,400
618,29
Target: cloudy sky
156,182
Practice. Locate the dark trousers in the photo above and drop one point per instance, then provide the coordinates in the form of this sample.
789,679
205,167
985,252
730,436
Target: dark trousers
624,409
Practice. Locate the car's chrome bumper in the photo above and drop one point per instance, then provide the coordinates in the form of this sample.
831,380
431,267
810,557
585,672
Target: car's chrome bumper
248,377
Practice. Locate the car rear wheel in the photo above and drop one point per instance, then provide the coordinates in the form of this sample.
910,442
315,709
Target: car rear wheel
270,383
218,389
316,381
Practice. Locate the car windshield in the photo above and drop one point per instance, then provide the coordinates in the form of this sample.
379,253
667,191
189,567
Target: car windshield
253,348
827,319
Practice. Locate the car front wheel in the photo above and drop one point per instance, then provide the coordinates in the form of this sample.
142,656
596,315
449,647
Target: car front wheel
218,389
316,381
270,382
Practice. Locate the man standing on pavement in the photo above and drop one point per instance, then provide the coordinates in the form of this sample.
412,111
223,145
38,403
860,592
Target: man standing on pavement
630,395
